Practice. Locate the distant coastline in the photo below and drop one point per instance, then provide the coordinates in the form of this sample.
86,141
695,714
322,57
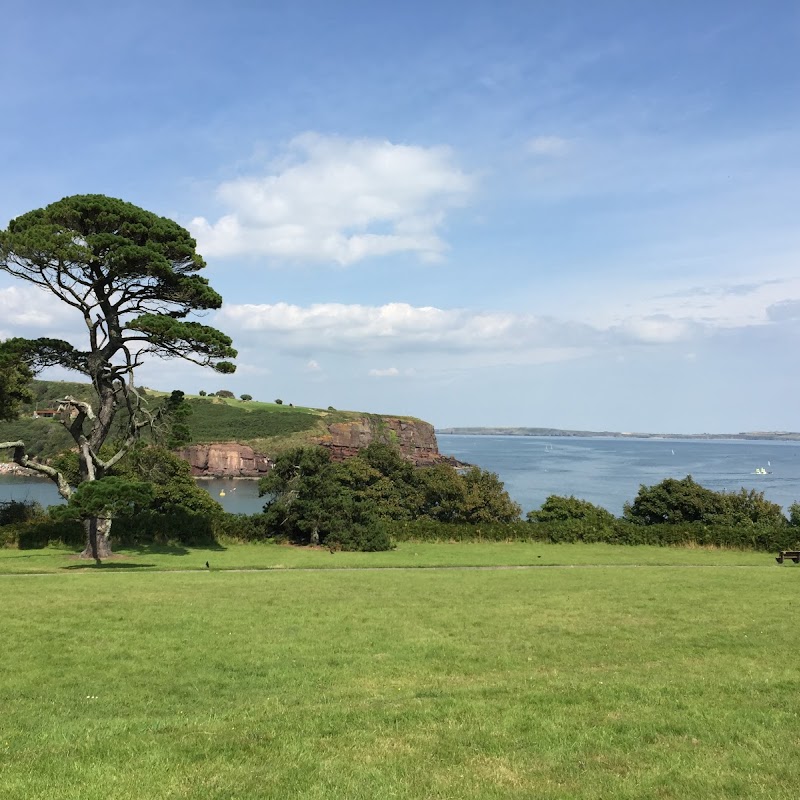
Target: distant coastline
774,436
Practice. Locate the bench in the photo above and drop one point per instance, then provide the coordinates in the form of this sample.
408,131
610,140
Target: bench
793,555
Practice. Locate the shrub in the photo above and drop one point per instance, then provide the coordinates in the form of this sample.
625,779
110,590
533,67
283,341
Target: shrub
246,397
225,393
13,512
279,402
674,501
245,528
558,509
202,393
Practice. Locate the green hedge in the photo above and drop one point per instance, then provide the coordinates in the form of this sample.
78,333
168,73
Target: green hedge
198,529
784,537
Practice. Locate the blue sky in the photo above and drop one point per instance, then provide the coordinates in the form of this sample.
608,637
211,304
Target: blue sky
578,215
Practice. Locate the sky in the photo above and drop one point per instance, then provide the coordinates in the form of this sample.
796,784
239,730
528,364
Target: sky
573,215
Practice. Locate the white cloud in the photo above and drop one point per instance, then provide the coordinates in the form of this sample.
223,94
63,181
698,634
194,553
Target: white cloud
390,372
29,307
340,200
397,327
657,329
548,146
313,366
477,337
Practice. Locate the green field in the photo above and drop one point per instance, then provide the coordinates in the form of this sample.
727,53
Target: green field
636,673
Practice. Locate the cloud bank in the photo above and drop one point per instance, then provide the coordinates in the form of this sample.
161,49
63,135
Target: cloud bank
338,200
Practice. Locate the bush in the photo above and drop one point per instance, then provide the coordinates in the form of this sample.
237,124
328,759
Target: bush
245,528
14,512
675,502
225,393
202,393
40,533
279,402
559,509
246,397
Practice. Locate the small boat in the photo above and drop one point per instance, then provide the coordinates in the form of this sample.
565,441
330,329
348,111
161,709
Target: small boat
222,493
760,471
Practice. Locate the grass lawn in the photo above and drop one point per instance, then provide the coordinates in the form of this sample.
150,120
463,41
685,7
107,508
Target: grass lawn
659,681
407,554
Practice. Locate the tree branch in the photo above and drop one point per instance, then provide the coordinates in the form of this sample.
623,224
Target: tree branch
21,457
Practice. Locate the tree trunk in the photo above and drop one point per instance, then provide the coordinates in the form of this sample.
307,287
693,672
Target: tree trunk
98,538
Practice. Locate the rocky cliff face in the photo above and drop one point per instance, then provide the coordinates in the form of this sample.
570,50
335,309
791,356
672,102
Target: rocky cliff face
225,460
416,440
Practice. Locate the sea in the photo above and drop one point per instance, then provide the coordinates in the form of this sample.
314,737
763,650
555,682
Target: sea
604,471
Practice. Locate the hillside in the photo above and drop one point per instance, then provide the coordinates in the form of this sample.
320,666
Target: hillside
267,428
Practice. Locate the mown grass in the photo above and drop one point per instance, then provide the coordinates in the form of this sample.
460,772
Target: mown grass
406,555
654,682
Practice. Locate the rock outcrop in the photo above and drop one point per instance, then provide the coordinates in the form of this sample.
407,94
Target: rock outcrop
416,439
225,460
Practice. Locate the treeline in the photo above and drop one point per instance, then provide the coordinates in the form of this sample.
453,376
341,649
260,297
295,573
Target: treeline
377,498
309,499
672,512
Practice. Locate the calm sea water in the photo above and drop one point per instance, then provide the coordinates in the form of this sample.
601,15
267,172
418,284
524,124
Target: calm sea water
607,472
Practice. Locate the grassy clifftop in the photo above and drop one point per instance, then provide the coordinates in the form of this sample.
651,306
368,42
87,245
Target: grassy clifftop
266,427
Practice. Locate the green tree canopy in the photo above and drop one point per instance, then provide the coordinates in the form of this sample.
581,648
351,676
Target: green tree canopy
131,278
15,376
312,500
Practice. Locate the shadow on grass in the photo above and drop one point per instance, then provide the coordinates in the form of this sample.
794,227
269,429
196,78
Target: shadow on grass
105,565
156,549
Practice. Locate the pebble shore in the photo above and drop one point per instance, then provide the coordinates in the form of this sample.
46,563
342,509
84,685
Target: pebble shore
14,469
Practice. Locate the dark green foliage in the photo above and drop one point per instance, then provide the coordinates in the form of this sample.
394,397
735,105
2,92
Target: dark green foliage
180,510
177,432
108,497
279,402
352,504
245,528
12,512
246,397
15,378
131,278
486,499
202,393
309,504
559,509
140,263
675,502
174,489
749,507
68,463
225,393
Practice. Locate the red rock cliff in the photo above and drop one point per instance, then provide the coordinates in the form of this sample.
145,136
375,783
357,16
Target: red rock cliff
416,439
225,460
